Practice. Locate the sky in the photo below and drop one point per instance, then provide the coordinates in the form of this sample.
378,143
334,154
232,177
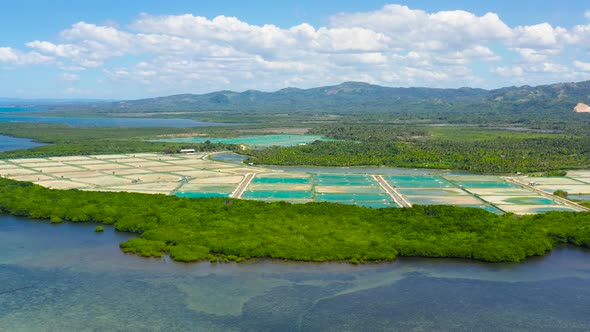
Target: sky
129,49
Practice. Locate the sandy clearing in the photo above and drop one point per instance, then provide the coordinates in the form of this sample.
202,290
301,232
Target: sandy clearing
31,178
501,200
160,187
61,169
124,171
582,108
61,184
28,160
548,180
147,164
221,180
530,209
88,162
107,166
191,162
82,174
154,177
190,187
170,168
204,173
16,171
110,156
9,166
572,189
46,164
103,181
502,192
153,192
72,158
474,178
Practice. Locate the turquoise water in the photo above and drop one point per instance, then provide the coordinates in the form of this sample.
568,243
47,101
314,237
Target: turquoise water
263,180
530,200
68,278
343,180
351,197
260,140
8,143
201,194
278,195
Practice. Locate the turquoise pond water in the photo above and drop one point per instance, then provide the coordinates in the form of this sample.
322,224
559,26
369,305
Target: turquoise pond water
343,180
263,180
259,140
530,200
68,278
352,197
277,195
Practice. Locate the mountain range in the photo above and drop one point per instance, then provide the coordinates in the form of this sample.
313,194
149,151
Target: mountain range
363,97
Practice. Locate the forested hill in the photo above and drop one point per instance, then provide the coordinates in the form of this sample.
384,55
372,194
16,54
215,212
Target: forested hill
356,96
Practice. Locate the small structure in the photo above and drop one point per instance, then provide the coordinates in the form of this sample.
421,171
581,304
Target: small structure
187,151
532,183
183,179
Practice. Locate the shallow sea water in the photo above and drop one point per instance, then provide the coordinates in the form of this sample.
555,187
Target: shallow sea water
68,278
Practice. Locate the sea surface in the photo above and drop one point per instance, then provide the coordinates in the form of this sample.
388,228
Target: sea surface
8,143
68,278
107,122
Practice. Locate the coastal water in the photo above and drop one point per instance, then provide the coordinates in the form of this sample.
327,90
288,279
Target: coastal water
8,143
106,122
69,278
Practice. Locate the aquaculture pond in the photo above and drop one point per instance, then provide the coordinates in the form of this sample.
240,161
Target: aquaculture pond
68,278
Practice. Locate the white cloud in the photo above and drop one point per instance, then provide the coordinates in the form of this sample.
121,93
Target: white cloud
69,77
393,45
583,66
587,14
12,56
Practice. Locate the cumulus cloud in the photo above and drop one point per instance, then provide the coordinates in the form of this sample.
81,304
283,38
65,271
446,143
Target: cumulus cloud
12,56
393,45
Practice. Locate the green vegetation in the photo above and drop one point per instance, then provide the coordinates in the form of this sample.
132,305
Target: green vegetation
561,193
223,229
99,229
66,140
471,149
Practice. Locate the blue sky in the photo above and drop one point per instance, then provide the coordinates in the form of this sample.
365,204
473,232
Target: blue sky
133,49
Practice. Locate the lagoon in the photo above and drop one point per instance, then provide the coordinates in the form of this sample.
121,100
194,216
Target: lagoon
9,143
108,122
68,278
